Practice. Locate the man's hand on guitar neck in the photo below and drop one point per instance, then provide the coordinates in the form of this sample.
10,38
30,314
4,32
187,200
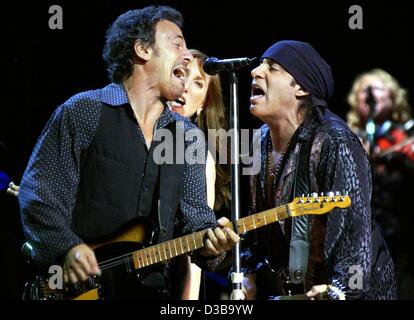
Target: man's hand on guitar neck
80,263
220,239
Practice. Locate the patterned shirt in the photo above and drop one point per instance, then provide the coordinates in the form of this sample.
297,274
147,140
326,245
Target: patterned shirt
49,186
344,244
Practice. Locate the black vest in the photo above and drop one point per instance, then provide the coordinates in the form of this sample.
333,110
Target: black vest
118,179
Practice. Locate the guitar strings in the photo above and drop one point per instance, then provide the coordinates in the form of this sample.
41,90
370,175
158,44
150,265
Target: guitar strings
127,258
122,258
119,260
110,263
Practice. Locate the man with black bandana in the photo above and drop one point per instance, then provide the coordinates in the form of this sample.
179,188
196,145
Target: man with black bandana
348,258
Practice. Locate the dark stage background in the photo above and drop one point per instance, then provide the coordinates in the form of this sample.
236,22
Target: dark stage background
41,68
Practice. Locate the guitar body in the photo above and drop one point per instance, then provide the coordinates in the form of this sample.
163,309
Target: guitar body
123,281
119,279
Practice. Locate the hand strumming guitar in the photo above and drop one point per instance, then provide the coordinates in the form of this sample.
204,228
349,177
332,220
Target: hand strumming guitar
80,263
320,292
249,287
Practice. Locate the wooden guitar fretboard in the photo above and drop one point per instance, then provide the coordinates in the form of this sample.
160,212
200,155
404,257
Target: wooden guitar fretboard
173,248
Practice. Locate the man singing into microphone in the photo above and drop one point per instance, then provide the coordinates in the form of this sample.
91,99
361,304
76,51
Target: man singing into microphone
305,149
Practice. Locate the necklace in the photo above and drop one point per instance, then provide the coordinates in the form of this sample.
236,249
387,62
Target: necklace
273,169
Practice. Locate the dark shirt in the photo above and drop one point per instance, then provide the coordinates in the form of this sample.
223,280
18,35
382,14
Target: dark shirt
49,187
392,180
341,242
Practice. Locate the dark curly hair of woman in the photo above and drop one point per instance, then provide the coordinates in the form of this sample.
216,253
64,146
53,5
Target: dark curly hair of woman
133,25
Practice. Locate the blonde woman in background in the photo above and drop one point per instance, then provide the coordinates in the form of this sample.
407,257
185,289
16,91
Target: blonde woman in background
391,103
392,163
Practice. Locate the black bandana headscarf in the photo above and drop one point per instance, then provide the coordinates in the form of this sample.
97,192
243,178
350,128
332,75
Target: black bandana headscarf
306,66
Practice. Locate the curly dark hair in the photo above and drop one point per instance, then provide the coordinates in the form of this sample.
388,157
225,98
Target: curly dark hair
133,25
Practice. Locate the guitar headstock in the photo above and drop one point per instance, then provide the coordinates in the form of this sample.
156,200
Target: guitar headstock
318,204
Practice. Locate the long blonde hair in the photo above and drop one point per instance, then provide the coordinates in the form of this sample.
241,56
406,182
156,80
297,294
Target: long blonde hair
401,111
213,116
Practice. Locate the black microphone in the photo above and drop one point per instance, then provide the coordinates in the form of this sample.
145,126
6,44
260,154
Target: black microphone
371,101
212,65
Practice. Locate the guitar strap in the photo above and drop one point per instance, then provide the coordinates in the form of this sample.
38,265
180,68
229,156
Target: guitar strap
299,241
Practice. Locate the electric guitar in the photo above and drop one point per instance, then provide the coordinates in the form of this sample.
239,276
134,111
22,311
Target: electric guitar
132,257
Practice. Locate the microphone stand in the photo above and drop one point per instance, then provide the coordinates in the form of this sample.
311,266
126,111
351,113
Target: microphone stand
236,275
370,127
212,66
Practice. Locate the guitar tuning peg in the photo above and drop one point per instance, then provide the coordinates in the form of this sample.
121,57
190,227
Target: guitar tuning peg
314,195
337,193
330,194
321,194
303,195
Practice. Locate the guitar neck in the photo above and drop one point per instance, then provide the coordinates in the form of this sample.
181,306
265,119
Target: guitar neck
169,249
262,219
176,247
298,207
